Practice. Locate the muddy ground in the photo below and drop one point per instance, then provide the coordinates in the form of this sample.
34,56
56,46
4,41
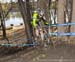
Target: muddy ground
61,53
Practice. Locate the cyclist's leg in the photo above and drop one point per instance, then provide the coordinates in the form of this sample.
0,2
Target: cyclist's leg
46,36
37,31
36,42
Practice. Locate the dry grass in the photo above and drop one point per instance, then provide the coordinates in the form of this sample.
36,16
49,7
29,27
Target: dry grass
14,34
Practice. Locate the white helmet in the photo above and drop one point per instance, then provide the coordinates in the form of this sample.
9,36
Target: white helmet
35,11
40,11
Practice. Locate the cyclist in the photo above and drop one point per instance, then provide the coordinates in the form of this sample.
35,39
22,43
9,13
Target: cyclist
38,15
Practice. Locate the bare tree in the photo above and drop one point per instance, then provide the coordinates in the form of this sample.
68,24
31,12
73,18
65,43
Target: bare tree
68,13
25,11
60,15
2,22
73,17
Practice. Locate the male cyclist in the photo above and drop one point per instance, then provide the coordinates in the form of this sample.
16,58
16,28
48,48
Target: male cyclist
37,17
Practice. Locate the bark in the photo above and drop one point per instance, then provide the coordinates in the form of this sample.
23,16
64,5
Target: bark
69,13
60,15
73,17
2,22
72,27
25,11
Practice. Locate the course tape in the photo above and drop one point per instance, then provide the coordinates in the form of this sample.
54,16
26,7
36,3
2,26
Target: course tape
20,45
62,34
66,24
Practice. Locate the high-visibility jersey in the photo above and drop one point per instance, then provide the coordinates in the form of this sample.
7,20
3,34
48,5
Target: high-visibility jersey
35,16
35,19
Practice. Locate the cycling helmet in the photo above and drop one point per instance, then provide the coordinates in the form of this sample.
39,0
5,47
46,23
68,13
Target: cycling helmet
40,11
35,11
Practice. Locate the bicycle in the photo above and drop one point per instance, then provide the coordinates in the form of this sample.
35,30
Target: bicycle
41,34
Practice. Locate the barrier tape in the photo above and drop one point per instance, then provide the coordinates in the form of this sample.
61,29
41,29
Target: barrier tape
66,24
62,34
56,33
20,45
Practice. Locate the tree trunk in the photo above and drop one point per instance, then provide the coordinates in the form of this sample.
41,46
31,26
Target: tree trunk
25,11
60,15
69,13
73,17
2,22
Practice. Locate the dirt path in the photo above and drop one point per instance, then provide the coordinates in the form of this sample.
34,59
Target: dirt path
65,53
